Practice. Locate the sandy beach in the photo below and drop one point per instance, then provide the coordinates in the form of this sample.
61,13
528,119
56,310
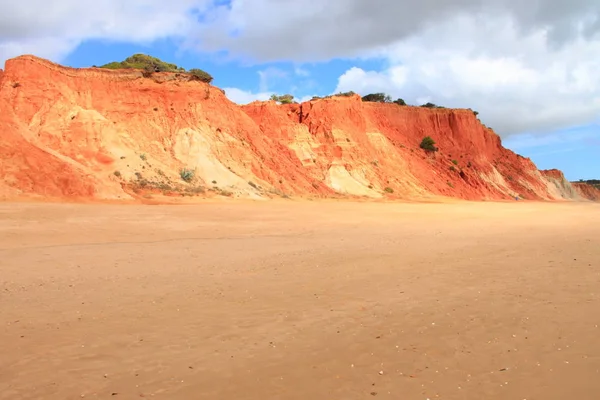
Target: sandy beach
300,300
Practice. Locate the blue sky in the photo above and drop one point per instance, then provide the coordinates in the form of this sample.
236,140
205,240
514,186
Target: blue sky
301,79
537,86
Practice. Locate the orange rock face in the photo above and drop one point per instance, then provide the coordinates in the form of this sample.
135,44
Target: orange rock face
587,191
101,134
576,191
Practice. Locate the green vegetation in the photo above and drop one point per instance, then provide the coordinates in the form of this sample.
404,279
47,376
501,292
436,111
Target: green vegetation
452,168
143,156
389,190
431,105
186,174
454,162
145,62
591,182
381,98
283,99
428,144
151,64
377,98
201,75
343,94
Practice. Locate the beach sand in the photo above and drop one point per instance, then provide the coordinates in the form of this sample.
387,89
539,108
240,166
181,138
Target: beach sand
300,300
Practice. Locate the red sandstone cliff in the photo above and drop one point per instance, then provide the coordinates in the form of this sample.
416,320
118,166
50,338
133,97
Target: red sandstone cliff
102,134
587,191
576,191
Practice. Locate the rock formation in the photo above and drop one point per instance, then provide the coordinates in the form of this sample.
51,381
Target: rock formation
96,134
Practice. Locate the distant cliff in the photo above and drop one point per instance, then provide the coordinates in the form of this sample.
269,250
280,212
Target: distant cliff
94,134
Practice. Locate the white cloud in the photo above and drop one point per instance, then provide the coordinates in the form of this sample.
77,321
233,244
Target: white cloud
520,85
33,27
306,30
301,71
240,96
580,137
360,81
270,75
305,98
524,65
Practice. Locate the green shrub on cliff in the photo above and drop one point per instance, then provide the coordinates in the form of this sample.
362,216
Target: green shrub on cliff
151,64
145,62
428,144
343,94
377,98
283,99
201,75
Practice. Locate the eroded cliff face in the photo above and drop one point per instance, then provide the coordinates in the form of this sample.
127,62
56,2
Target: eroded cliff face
586,191
576,191
101,134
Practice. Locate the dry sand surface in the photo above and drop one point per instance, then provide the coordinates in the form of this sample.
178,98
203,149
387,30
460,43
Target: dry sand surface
300,300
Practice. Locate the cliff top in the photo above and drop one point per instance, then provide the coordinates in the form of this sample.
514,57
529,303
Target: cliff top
142,65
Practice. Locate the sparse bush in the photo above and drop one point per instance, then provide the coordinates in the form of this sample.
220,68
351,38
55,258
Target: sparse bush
253,184
186,174
201,75
16,85
388,190
452,168
345,94
469,164
143,156
400,102
430,105
377,98
454,162
150,65
145,62
195,190
450,184
283,99
117,174
428,144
